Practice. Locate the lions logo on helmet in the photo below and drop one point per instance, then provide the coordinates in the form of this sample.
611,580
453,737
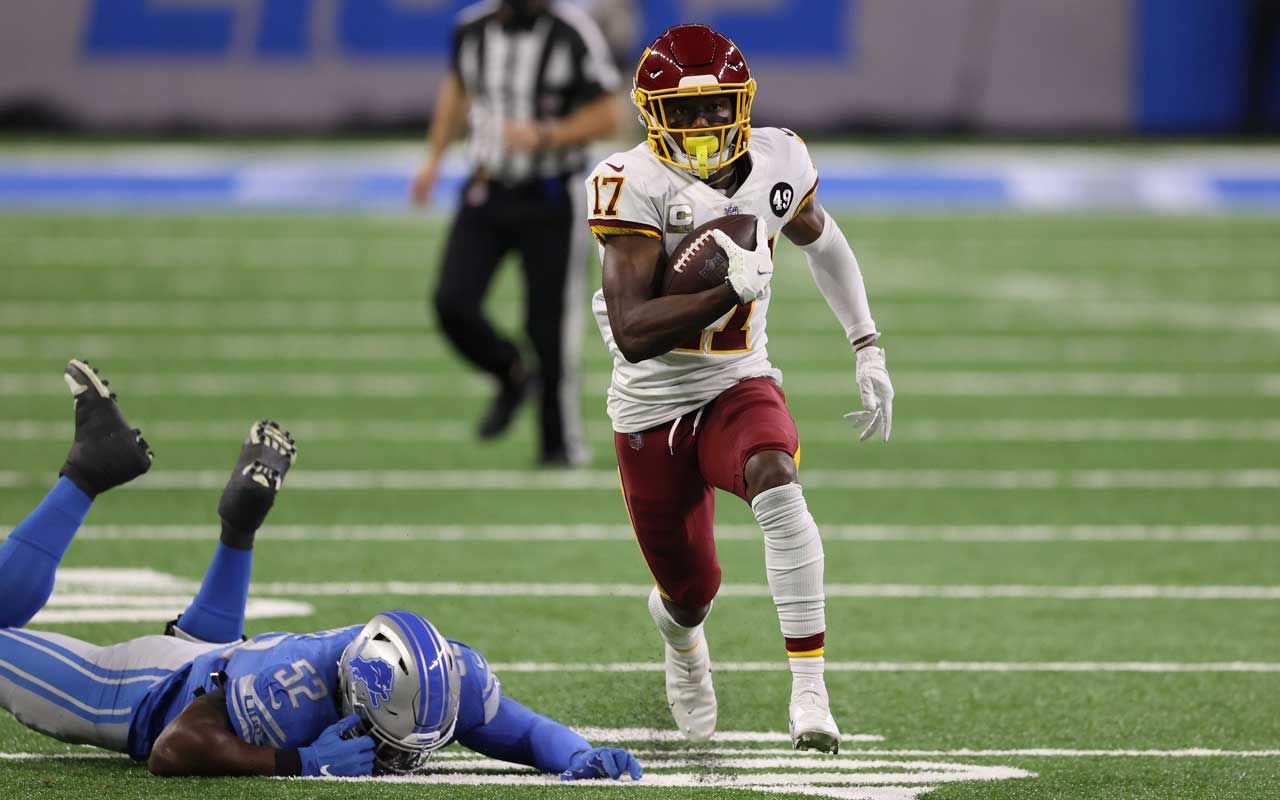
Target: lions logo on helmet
375,674
399,675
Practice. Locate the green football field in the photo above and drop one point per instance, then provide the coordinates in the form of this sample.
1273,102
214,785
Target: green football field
1058,580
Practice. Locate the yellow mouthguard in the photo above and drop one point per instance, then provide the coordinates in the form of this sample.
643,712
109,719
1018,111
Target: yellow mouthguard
701,147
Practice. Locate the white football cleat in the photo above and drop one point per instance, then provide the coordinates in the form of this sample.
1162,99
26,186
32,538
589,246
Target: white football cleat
690,694
812,726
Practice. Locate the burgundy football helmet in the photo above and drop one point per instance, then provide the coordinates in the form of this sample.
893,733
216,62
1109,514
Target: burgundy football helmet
688,61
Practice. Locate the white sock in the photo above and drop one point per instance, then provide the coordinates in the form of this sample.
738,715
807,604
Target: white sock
807,672
793,560
682,639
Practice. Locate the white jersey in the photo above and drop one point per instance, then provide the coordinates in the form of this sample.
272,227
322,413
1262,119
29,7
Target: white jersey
634,193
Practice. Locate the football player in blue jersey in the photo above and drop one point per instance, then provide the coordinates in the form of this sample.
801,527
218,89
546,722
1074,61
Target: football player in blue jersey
202,700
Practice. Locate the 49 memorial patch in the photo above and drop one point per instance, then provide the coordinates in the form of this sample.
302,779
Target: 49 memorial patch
780,197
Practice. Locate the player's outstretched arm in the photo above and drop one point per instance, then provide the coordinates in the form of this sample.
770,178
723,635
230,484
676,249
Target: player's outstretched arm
835,270
201,742
644,325
520,736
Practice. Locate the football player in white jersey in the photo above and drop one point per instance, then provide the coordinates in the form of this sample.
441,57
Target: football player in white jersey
695,404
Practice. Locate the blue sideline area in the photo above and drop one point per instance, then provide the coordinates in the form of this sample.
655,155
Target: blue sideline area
1193,62
376,180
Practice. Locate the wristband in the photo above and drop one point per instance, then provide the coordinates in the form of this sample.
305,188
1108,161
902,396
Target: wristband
288,763
866,341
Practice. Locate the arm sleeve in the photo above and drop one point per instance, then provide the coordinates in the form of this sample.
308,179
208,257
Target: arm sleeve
617,203
520,736
835,270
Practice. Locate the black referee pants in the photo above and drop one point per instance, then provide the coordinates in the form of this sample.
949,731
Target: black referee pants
538,220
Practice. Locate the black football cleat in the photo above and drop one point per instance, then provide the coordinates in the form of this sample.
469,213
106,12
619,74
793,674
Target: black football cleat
500,415
267,454
106,452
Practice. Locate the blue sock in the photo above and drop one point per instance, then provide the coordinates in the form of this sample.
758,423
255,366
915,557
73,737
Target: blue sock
217,613
30,556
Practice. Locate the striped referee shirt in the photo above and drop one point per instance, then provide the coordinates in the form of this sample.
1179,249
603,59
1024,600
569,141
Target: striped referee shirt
543,71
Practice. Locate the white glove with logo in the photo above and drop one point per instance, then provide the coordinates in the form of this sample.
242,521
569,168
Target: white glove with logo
749,270
877,394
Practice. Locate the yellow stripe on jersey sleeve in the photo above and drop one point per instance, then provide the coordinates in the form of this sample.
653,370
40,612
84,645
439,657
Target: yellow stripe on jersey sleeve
805,200
602,229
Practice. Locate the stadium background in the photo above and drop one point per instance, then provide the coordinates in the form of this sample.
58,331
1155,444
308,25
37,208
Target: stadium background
1058,579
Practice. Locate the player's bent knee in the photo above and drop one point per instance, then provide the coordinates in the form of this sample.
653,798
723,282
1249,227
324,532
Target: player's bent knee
768,469
690,604
688,616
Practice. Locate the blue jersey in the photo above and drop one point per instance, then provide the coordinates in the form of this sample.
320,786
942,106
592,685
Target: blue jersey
282,689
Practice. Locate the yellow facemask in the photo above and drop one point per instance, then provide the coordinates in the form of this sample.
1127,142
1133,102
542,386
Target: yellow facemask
702,149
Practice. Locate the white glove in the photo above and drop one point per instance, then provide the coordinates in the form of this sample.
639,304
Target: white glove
877,394
749,270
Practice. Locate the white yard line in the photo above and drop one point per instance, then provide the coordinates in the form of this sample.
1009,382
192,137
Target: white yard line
715,762
1194,349
914,666
228,347
307,431
912,430
897,773
94,756
213,315
1102,241
705,755
998,314
797,382
88,581
919,480
751,533
833,590
198,253
1066,430
112,608
708,755
1050,752
619,735
202,249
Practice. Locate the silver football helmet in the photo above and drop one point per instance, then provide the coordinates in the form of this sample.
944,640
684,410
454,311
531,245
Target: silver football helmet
399,675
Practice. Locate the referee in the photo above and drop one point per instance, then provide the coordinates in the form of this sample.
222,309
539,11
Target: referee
535,81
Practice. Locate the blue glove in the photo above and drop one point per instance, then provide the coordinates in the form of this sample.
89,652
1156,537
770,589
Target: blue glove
333,756
602,762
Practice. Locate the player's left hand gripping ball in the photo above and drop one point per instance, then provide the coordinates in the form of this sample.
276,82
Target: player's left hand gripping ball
602,762
749,270
877,395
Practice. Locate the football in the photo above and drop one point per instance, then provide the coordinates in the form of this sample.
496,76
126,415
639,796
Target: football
698,263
